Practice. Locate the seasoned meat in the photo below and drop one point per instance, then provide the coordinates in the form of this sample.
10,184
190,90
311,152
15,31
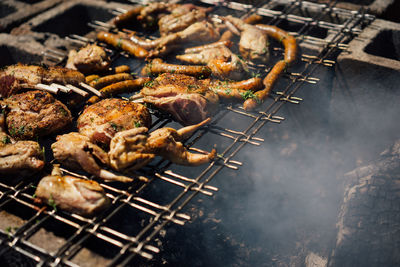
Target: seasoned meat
34,114
128,150
223,63
16,77
132,149
253,42
188,99
102,120
83,197
179,19
167,143
23,158
77,152
90,59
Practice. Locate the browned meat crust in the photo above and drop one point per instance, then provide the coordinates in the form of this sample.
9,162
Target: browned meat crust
34,114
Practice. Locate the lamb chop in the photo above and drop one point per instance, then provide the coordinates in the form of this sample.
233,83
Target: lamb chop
35,114
22,158
83,197
134,148
102,120
14,78
77,152
89,59
190,100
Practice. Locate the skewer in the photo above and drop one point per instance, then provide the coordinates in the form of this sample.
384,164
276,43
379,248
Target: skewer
91,89
77,90
47,88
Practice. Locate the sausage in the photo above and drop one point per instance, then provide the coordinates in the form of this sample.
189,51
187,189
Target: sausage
91,78
127,86
146,44
268,82
288,41
110,79
157,66
198,49
122,69
238,90
127,17
119,41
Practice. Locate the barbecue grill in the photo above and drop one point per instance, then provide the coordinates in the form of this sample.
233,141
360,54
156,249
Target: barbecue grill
146,218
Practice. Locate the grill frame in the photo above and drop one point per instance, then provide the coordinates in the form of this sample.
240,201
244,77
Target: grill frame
162,215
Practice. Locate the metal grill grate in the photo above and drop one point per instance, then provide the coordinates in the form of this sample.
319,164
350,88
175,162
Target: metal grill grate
309,20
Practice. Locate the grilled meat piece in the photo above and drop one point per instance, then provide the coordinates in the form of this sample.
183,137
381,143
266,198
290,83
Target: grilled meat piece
89,59
16,77
77,152
128,150
223,63
132,149
120,41
22,158
167,143
150,14
188,99
199,32
34,114
102,120
253,44
180,18
83,197
157,66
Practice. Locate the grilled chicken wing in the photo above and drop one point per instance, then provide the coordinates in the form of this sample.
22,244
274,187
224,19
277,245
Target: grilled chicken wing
102,120
34,114
253,42
90,59
16,77
77,152
188,99
180,18
72,194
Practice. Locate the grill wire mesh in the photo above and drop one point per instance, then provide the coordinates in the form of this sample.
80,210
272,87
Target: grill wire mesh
308,22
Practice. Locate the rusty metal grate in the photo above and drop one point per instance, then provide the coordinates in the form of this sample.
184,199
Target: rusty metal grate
324,27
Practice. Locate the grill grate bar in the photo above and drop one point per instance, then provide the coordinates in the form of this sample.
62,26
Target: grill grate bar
130,245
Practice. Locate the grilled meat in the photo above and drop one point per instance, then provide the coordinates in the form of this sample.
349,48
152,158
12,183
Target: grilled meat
128,150
83,197
77,152
23,158
223,63
34,114
102,120
253,44
188,99
90,59
199,32
16,77
180,18
167,143
121,42
157,66
132,149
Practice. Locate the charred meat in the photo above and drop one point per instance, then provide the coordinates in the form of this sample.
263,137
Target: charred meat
102,120
34,114
83,197
17,77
